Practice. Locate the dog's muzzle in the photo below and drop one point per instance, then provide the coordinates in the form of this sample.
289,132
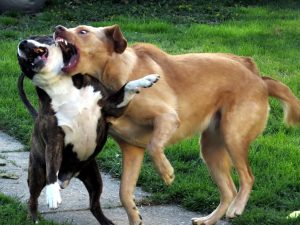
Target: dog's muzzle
32,56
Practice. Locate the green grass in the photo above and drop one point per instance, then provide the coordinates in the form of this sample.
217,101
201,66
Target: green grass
8,21
270,34
12,212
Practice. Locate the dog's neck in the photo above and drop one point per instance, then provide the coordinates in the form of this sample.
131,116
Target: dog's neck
118,69
54,85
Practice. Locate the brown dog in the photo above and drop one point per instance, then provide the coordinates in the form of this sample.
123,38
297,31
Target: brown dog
221,96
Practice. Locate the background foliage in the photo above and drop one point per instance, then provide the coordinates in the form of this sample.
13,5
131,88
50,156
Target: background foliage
268,31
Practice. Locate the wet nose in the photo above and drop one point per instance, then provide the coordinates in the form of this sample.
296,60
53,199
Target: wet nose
59,28
23,44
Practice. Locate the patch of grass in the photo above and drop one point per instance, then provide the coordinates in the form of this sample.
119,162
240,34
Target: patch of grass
262,215
12,212
8,21
269,34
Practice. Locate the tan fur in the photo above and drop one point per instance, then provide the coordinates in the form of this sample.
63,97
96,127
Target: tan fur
291,103
219,95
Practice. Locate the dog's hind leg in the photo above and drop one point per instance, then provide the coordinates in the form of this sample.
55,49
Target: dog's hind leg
36,182
219,164
132,161
91,178
241,125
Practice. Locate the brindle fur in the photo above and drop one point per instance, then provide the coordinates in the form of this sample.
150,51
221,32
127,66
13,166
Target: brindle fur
48,153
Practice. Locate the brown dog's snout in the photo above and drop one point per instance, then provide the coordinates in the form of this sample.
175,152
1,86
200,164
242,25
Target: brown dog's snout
59,29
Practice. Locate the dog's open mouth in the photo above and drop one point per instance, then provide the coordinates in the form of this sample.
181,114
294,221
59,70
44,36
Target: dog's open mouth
38,54
70,54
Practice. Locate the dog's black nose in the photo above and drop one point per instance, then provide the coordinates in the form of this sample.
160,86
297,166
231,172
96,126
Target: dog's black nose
23,44
59,28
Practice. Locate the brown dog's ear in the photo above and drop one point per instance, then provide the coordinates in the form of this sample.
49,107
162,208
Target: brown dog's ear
115,35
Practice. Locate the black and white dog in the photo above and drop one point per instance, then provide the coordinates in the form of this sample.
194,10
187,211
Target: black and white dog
70,127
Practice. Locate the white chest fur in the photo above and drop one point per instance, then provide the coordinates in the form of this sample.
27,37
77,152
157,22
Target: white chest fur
77,114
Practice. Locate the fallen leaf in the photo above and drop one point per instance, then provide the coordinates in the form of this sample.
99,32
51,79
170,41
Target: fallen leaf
9,176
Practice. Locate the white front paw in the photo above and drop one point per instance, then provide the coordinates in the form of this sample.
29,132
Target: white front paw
144,82
53,197
149,80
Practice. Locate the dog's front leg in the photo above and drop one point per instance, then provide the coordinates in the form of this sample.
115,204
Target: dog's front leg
132,161
53,161
134,87
117,102
165,125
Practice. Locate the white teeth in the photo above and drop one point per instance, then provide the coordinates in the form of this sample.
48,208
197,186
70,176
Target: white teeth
61,40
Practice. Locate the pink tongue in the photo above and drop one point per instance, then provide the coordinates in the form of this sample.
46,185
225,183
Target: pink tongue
72,61
44,57
71,64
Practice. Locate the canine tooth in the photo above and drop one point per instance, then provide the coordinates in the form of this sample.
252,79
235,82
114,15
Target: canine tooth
66,43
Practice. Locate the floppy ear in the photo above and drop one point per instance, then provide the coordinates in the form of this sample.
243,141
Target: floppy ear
115,35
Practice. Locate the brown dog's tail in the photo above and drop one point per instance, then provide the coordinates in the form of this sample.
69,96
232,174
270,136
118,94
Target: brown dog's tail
290,101
24,98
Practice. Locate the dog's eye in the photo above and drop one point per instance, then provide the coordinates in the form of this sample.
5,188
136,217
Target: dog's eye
83,32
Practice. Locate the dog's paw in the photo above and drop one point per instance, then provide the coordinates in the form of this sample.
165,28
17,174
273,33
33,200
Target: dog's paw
236,207
202,221
107,222
164,168
63,184
144,82
53,197
149,80
198,221
167,173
